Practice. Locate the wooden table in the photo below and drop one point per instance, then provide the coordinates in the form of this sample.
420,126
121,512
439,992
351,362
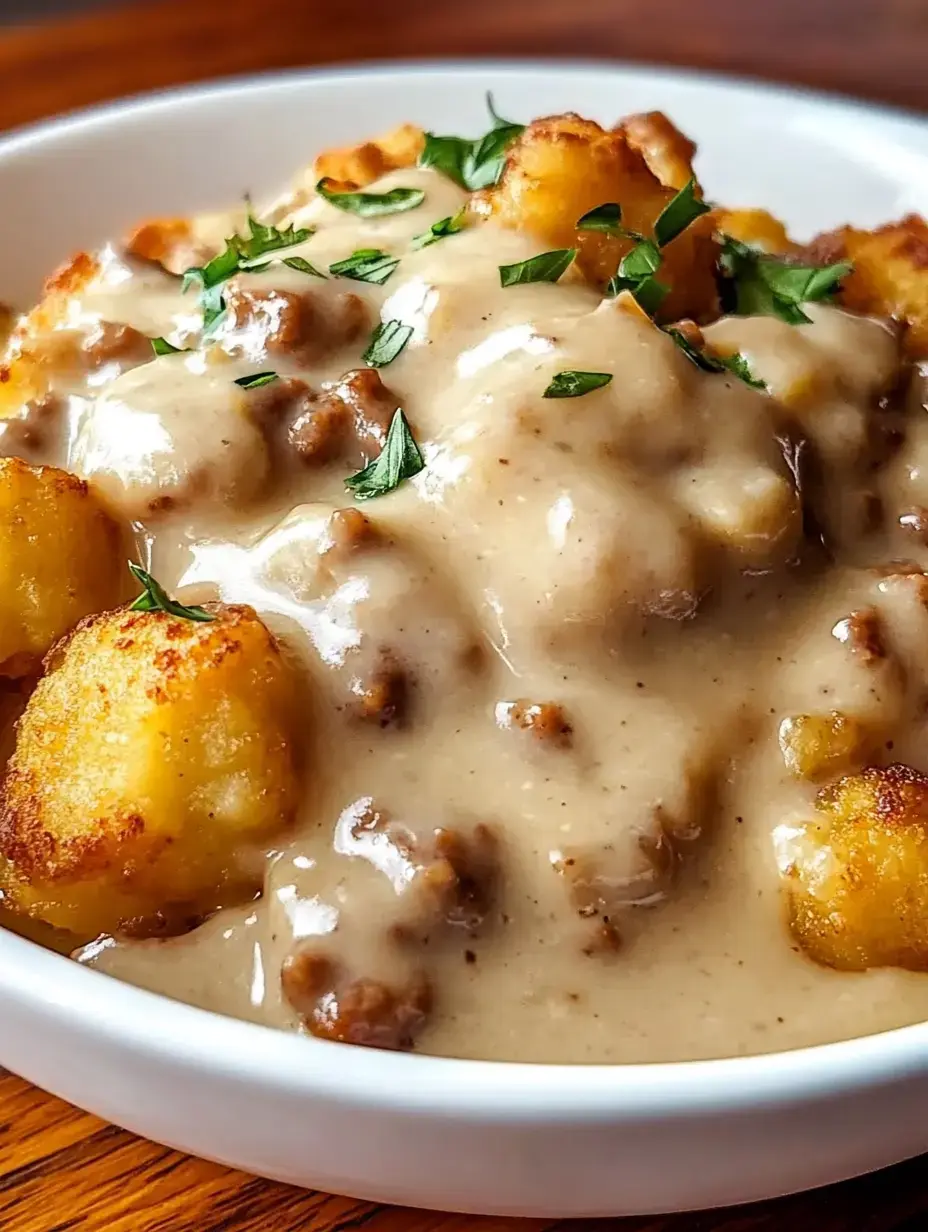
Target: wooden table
61,1169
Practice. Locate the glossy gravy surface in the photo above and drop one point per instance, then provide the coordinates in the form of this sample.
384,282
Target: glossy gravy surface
632,564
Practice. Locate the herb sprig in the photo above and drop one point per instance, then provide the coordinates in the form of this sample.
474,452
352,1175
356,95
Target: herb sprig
370,204
762,285
574,384
387,341
472,164
366,265
242,253
399,459
546,267
256,380
710,362
439,230
154,598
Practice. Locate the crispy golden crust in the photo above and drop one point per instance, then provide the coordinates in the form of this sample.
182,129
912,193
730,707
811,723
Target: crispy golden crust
61,557
858,874
890,275
355,166
152,749
816,746
563,166
668,152
756,227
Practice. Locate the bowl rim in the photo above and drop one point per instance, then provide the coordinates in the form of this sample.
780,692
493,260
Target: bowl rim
88,1004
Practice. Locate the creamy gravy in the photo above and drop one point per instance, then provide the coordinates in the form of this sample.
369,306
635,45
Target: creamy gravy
634,557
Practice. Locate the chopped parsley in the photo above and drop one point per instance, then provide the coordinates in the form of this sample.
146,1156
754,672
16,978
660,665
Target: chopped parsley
302,266
762,285
606,218
546,267
241,253
366,265
574,384
369,204
678,213
438,230
154,598
387,340
256,380
161,346
472,164
708,362
399,459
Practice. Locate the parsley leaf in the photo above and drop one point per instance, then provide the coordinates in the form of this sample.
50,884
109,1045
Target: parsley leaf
636,274
366,265
240,253
302,266
371,205
161,346
763,285
546,267
256,380
574,384
678,213
606,218
387,340
472,164
154,598
736,363
399,459
438,230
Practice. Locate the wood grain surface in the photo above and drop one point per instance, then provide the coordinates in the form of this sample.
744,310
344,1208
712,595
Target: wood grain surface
61,1169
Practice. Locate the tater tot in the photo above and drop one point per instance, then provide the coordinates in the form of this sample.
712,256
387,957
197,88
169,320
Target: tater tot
857,875
153,751
61,558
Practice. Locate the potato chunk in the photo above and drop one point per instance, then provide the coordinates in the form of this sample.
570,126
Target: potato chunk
152,752
563,166
890,275
60,559
359,165
858,874
815,746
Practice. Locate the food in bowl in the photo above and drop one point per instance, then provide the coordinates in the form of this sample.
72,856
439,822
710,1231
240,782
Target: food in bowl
522,650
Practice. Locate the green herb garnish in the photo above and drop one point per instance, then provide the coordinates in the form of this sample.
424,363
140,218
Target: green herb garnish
678,213
302,266
636,274
241,253
438,230
366,265
399,459
387,340
472,164
762,285
546,267
736,363
161,346
574,384
369,204
257,380
606,218
154,598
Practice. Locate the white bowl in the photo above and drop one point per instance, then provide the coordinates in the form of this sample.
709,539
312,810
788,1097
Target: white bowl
461,1135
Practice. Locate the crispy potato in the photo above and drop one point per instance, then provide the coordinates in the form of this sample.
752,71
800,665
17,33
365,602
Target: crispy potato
890,275
668,152
153,750
858,874
816,746
563,166
355,166
61,557
176,244
757,228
